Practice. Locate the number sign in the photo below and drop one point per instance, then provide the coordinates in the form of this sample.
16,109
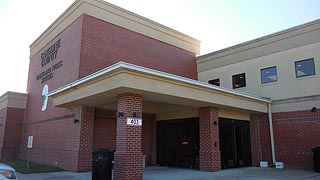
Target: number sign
134,121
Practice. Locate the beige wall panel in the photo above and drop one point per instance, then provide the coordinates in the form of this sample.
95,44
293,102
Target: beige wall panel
153,89
13,100
224,113
178,114
296,106
287,86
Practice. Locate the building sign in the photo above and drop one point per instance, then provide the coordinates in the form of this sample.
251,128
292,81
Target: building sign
30,142
45,92
134,121
48,56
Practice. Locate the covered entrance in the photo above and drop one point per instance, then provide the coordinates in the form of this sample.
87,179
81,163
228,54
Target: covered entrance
131,92
178,143
235,146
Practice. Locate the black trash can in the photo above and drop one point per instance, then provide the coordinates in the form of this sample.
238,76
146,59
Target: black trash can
102,164
316,158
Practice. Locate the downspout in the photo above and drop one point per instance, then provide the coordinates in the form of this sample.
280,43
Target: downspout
271,134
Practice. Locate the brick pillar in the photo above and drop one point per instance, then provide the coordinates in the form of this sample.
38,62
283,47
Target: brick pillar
209,153
128,155
255,140
86,139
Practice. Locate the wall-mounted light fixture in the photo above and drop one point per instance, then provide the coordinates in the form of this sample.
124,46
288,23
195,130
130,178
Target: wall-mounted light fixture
75,121
136,114
119,114
215,122
313,109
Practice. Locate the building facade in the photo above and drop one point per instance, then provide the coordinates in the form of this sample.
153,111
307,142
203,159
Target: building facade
103,77
284,67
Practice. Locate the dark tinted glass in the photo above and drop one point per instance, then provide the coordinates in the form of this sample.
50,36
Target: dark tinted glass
239,80
215,82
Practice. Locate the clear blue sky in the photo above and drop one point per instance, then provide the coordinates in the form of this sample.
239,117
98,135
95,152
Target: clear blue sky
216,23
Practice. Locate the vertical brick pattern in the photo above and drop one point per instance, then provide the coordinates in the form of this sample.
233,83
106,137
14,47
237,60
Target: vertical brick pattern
128,157
295,134
104,44
209,139
86,139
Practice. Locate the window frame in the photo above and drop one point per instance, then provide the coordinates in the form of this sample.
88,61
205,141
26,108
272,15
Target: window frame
297,65
214,80
261,75
234,81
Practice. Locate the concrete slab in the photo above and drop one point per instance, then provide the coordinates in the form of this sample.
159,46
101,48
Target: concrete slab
160,173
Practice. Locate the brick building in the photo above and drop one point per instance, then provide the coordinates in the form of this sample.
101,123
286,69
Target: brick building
103,77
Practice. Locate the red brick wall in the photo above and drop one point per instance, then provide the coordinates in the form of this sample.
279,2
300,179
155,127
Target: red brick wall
12,134
56,137
209,153
55,141
86,139
260,139
3,114
295,133
105,44
105,131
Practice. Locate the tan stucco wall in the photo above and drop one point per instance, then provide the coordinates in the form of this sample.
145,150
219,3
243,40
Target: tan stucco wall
189,113
13,100
106,89
225,64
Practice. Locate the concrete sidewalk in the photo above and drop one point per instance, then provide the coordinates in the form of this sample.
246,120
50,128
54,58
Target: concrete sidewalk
160,173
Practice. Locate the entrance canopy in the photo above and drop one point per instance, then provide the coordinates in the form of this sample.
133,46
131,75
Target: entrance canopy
103,87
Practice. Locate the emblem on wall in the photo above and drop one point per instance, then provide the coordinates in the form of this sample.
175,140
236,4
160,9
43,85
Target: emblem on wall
45,97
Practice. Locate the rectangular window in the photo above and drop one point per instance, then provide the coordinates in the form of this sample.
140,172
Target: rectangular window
269,75
215,82
305,68
239,80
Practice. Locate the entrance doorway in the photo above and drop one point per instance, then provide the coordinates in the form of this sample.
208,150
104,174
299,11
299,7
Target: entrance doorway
178,143
235,146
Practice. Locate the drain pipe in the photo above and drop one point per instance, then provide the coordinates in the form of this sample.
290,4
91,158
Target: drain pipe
271,135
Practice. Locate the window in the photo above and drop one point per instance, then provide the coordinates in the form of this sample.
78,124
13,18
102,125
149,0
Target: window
269,75
215,82
305,68
239,80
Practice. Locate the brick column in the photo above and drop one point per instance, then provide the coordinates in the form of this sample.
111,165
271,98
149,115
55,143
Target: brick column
128,155
209,153
86,139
